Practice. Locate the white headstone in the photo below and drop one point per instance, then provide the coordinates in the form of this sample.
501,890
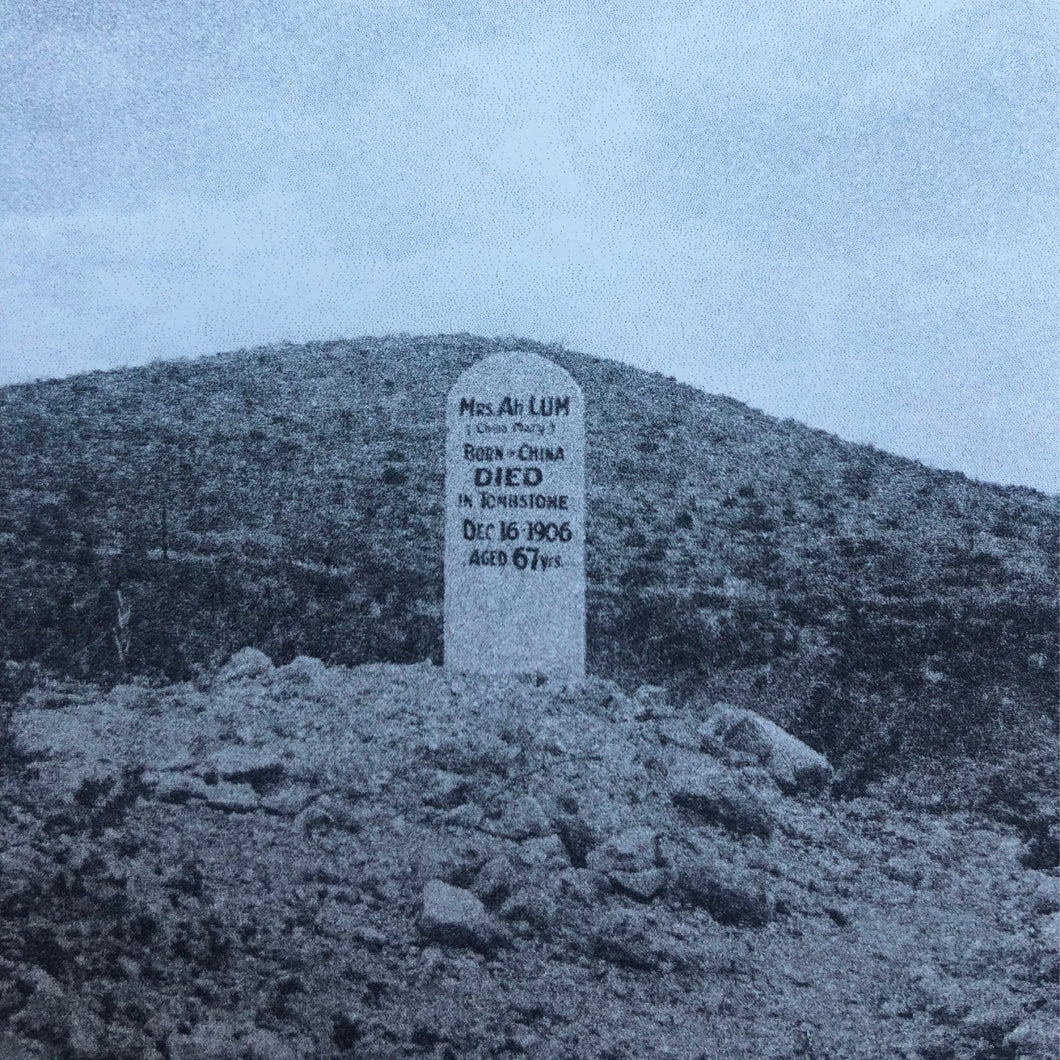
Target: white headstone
515,519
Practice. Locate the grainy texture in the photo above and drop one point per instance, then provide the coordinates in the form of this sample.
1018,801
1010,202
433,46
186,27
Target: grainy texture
901,619
313,862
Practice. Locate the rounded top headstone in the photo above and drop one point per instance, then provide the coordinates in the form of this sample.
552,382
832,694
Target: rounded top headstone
512,369
515,519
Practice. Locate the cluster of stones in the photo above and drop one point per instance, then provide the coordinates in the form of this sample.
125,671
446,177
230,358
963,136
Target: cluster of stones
710,783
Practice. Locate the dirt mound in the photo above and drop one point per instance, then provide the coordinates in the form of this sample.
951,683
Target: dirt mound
386,861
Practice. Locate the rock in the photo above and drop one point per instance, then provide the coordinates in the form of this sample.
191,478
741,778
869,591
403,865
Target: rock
531,905
620,707
730,896
641,886
456,860
713,793
623,938
495,880
632,938
234,798
246,664
469,815
177,787
548,852
473,752
678,732
446,790
577,836
455,917
328,813
263,770
289,801
582,887
634,850
838,914
521,818
795,766
369,936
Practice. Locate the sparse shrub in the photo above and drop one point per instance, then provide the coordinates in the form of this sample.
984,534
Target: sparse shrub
261,497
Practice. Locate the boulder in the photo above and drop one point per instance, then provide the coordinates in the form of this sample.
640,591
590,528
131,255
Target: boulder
794,766
467,815
234,798
577,836
521,818
714,794
628,939
534,906
495,880
455,917
730,895
634,850
546,852
261,769
638,938
641,886
445,791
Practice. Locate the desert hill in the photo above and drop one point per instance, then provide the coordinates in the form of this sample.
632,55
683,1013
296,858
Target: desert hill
290,498
285,863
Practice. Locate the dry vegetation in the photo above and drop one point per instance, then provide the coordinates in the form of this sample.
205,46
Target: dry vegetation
290,498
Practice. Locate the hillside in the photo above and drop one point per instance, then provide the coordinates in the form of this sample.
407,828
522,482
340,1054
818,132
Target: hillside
290,498
308,863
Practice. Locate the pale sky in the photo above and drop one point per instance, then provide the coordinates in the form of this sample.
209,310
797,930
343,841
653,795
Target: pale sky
845,212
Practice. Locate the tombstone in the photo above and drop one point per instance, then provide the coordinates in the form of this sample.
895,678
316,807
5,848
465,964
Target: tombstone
515,519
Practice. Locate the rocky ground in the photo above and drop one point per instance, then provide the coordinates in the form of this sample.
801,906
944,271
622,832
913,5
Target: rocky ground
291,862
